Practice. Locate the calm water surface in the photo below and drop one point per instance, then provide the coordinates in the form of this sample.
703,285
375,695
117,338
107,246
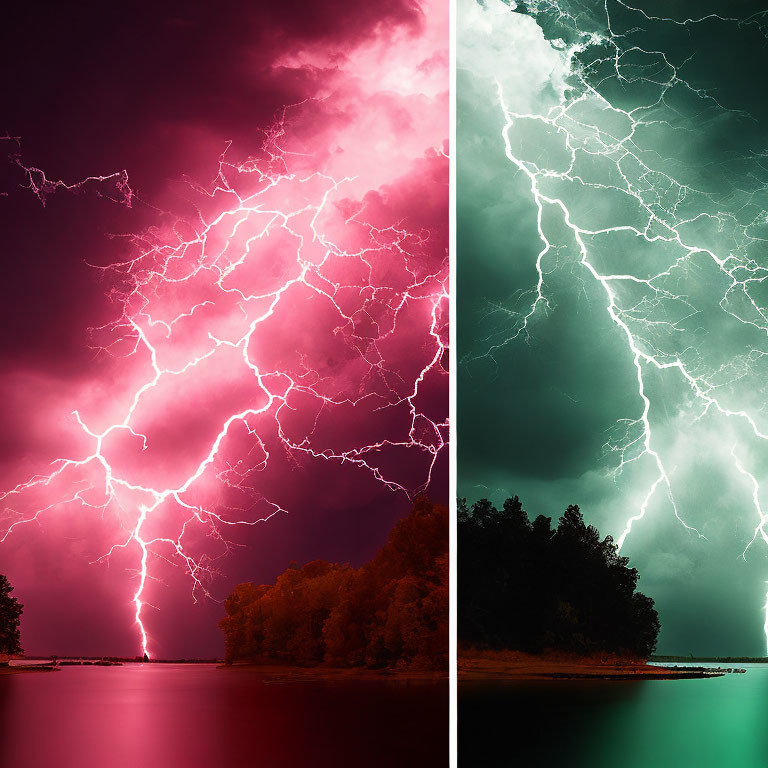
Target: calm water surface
198,716
716,723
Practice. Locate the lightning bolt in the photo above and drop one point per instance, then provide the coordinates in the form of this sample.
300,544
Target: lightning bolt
272,247
601,148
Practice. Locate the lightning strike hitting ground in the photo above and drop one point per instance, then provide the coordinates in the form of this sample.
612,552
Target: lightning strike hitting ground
271,326
643,240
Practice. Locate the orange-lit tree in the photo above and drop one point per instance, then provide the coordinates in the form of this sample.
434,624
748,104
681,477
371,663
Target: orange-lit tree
393,611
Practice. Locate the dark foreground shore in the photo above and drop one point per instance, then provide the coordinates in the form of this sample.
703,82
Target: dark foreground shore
22,669
509,665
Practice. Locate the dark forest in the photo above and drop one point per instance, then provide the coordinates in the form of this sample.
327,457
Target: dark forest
524,585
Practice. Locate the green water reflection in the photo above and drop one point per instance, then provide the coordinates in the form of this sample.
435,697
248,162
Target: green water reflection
715,723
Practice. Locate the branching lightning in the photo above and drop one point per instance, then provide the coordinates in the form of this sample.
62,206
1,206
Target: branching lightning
598,152
200,304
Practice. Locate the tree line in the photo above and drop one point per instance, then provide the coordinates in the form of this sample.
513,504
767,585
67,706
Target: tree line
10,616
391,612
524,585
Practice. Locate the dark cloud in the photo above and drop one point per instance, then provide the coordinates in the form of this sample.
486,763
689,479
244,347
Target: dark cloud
155,89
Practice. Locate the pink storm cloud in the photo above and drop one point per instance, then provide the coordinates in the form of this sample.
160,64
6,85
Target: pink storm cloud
260,328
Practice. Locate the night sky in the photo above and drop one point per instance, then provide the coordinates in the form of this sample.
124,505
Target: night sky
656,125
160,90
654,122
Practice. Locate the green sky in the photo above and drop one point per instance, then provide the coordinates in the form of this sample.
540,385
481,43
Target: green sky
644,142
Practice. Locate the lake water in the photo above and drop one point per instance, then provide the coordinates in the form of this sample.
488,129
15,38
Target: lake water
716,723
198,716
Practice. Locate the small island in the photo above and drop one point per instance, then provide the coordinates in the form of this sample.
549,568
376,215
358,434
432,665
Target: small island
537,602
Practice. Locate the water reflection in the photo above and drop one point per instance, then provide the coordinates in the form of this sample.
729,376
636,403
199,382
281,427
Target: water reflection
203,717
716,723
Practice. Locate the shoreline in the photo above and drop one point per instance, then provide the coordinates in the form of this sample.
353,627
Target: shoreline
288,673
502,666
21,668
658,659
270,673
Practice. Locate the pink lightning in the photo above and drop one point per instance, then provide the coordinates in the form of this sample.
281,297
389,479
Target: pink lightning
295,314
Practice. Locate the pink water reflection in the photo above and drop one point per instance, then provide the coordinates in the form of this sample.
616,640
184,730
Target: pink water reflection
204,717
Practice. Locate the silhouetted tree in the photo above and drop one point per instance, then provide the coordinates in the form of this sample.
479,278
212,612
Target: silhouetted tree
10,613
393,611
525,586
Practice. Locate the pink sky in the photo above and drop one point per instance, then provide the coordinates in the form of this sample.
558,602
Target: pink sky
267,339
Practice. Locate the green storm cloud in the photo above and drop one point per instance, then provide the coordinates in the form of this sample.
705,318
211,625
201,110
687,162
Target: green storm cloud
612,238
